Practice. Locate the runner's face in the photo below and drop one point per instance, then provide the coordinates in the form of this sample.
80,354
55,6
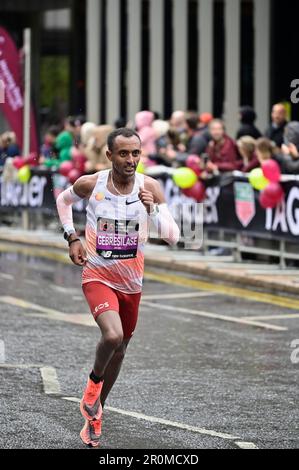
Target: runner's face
125,155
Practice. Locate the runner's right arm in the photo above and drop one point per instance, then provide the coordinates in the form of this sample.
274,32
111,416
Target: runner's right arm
82,189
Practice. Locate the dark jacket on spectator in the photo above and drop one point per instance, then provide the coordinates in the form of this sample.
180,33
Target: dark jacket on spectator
198,143
288,165
248,116
225,155
276,134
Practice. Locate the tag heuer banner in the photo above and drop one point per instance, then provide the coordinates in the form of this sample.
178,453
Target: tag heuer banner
234,207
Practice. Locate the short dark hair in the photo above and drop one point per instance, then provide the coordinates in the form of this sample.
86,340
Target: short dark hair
122,131
264,145
192,120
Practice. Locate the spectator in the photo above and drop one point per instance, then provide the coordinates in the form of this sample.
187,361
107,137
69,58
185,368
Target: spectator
246,147
222,150
8,146
95,150
178,121
247,119
265,149
48,149
143,122
204,121
291,140
197,139
170,149
120,122
86,132
279,121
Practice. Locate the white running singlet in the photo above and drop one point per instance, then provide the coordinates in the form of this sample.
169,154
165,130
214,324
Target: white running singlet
116,232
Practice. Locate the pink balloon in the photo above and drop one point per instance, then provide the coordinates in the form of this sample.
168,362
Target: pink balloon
197,192
74,175
32,160
271,196
19,162
79,161
65,168
274,191
193,162
75,151
265,202
271,170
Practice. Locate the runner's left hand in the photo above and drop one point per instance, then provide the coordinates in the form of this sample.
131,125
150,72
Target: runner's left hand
147,199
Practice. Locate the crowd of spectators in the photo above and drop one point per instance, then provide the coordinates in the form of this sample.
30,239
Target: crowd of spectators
170,142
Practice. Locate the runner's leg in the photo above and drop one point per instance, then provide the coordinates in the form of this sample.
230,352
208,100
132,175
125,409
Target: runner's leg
112,370
112,338
128,312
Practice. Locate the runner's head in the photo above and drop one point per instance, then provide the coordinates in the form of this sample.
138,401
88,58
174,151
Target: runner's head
124,151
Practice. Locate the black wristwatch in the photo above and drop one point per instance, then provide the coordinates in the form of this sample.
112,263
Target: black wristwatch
67,234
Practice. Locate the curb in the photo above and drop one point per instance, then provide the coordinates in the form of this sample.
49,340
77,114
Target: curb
202,271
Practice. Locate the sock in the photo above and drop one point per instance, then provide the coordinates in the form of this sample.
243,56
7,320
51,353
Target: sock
95,378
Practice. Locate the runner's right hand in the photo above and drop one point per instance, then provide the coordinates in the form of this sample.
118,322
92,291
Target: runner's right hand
78,254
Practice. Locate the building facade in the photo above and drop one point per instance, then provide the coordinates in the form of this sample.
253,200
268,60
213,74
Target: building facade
111,58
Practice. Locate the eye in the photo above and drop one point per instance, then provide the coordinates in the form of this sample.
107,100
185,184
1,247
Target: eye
136,153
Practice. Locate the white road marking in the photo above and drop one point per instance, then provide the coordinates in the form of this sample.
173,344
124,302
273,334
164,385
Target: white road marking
7,276
2,351
20,366
153,419
24,304
49,313
76,318
216,316
246,445
274,317
50,380
186,295
87,320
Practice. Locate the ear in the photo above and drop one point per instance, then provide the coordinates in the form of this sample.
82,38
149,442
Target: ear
109,155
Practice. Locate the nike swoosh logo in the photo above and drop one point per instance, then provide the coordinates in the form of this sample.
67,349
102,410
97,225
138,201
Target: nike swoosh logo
133,202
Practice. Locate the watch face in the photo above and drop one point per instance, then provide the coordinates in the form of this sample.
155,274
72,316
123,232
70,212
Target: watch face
65,235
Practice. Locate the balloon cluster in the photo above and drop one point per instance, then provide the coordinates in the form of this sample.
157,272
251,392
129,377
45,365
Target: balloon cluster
266,179
74,168
187,178
23,164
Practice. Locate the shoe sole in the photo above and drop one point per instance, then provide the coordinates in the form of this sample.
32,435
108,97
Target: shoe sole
87,440
90,443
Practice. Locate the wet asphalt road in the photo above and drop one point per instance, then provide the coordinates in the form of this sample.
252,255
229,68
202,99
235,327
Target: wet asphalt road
220,377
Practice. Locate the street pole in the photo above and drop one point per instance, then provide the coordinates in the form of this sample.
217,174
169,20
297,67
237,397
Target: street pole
27,108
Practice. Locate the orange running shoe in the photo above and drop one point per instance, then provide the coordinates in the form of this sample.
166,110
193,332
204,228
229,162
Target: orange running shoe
90,405
91,432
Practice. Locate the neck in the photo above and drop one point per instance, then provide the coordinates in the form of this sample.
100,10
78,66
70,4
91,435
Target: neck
121,180
120,185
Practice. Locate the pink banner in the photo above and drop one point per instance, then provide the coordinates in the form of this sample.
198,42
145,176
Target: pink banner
11,86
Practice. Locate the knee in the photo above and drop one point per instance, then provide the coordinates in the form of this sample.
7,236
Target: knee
113,339
121,351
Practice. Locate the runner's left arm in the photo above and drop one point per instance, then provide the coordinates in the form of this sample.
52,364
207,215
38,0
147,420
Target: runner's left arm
152,195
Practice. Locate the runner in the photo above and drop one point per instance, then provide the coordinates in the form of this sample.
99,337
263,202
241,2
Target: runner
121,204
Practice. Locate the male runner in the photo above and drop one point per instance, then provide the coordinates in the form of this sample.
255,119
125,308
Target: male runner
121,202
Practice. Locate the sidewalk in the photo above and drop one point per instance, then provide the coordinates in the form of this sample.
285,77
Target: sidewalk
217,268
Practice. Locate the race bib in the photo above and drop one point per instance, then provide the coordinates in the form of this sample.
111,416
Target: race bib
117,239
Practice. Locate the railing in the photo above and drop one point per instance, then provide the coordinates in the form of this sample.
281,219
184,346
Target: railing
231,214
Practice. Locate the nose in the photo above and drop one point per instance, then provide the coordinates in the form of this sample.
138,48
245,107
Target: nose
130,158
